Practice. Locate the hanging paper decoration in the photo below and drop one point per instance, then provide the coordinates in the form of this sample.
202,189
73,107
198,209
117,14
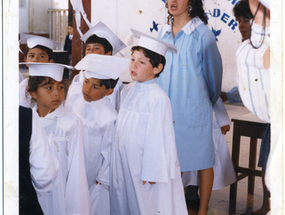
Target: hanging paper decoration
79,10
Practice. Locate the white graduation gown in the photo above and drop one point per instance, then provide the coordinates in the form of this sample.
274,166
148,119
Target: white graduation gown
224,173
144,150
114,97
98,119
43,165
70,191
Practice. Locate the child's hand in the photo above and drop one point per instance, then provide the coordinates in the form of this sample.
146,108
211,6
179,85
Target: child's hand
148,182
225,129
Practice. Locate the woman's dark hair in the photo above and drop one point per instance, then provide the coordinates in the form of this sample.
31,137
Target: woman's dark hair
242,9
197,11
94,39
154,58
43,48
35,81
108,83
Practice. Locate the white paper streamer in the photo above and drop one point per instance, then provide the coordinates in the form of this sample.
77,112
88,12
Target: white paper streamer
78,7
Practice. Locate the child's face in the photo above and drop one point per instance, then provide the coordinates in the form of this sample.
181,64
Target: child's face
49,96
92,91
37,55
140,68
95,48
70,30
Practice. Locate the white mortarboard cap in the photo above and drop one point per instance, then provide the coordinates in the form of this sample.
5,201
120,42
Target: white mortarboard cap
101,30
102,66
153,44
52,70
34,40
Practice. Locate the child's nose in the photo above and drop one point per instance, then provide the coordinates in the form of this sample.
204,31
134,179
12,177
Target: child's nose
241,24
87,89
134,64
55,91
36,59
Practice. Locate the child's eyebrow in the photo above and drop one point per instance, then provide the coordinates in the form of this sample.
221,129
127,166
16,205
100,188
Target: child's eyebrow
44,84
96,84
39,53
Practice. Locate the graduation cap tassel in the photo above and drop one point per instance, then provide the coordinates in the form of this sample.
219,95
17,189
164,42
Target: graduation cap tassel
79,10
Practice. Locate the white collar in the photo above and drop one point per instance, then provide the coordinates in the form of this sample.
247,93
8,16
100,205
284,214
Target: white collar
58,112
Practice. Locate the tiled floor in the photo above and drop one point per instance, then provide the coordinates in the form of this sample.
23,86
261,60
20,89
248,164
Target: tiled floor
219,203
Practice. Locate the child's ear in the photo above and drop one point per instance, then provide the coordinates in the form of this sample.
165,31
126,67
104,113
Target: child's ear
33,95
51,61
108,53
158,69
109,91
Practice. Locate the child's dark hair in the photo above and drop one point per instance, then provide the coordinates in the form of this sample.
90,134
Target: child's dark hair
95,39
34,82
242,9
108,83
70,24
197,10
47,50
154,58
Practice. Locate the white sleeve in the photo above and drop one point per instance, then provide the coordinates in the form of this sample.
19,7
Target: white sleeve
160,156
76,192
43,166
107,137
221,114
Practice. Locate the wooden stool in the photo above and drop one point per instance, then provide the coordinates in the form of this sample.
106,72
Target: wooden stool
249,126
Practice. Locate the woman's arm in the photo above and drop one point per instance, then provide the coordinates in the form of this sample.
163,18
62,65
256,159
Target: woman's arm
253,5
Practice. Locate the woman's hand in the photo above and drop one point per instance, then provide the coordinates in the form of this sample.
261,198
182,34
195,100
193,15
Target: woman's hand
225,129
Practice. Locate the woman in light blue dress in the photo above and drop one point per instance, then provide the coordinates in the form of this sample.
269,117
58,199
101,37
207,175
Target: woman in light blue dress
192,79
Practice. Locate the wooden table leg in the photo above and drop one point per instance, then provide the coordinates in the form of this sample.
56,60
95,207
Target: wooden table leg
235,159
252,164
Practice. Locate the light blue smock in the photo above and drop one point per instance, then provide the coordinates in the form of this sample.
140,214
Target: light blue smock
192,79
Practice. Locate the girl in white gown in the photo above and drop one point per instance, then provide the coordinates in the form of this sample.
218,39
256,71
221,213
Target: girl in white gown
64,131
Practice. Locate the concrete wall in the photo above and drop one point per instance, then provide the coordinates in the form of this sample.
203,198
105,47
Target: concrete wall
33,15
24,16
39,16
121,15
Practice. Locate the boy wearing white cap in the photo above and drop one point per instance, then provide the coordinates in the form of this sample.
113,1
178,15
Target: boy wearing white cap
70,193
101,40
88,100
145,172
39,49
